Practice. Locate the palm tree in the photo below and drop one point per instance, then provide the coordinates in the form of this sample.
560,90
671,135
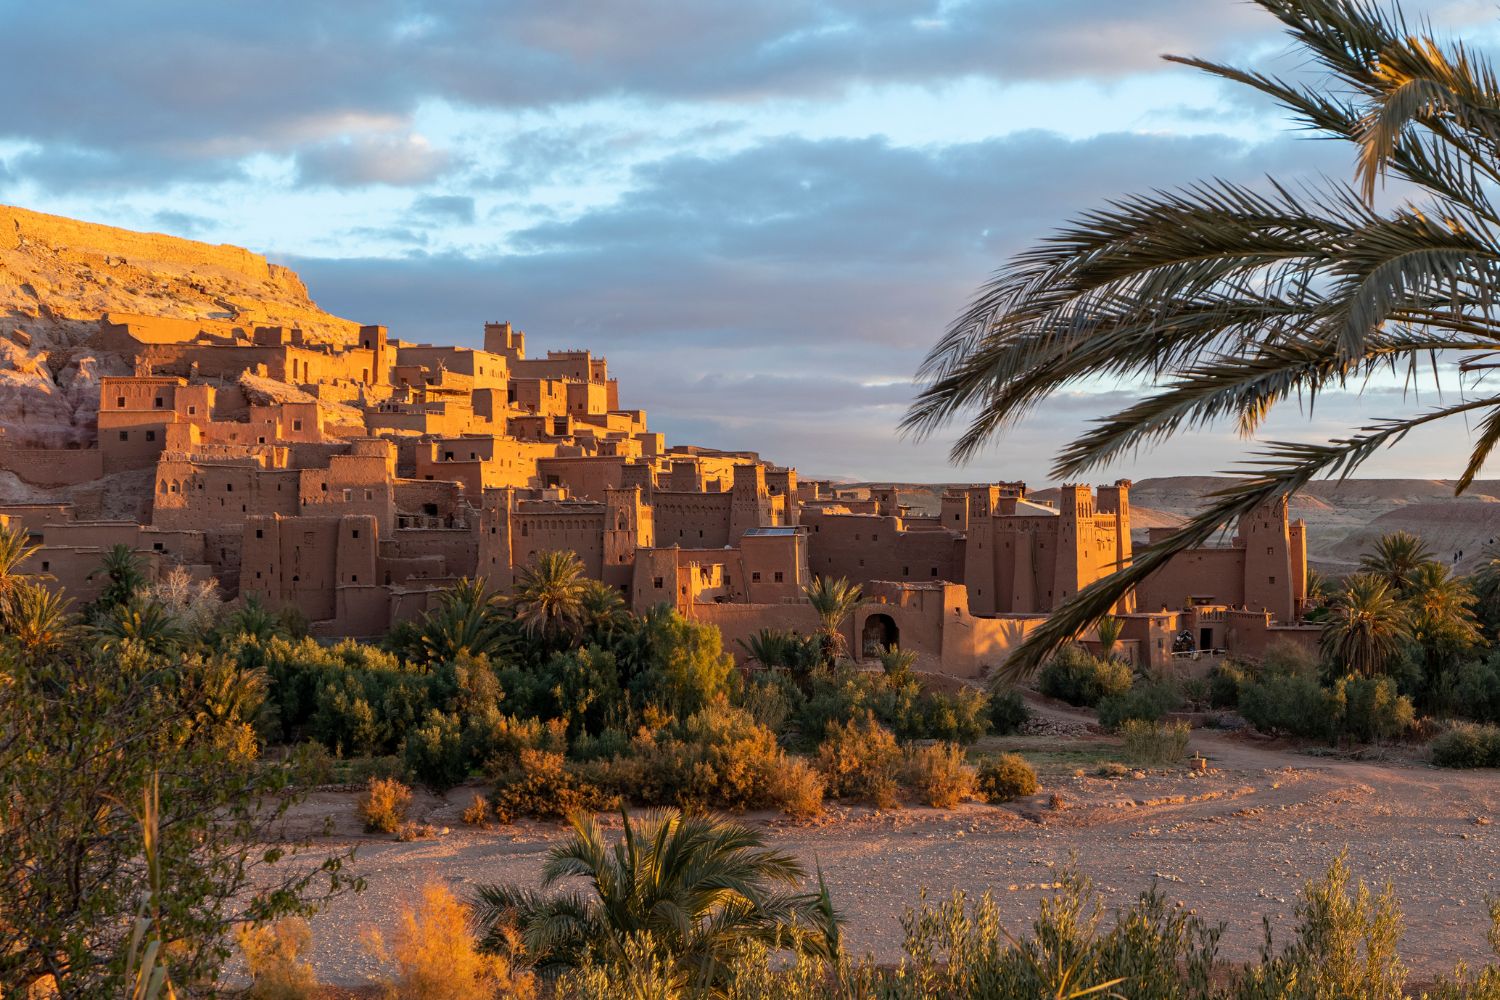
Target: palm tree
1396,559
466,621
548,598
1366,626
604,614
703,889
15,549
1440,617
896,663
123,577
1226,299
1316,588
38,618
834,601
147,623
254,620
1109,629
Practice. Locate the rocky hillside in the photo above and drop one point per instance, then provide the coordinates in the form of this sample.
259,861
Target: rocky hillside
58,276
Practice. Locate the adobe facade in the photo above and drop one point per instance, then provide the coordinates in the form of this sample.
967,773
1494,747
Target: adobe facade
354,476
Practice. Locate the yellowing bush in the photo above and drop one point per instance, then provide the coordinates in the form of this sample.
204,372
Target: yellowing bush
436,958
797,789
540,783
1007,777
383,805
273,956
940,775
860,759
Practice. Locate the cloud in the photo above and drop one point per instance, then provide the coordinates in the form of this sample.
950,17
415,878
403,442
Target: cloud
361,161
781,297
448,208
183,223
68,169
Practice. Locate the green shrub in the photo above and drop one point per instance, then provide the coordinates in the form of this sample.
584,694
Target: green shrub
492,736
961,717
1283,658
1372,710
383,805
1224,682
434,752
771,699
1156,743
1466,746
1077,678
1291,704
1476,690
1142,702
860,760
609,744
1008,711
1007,777
539,783
718,758
939,775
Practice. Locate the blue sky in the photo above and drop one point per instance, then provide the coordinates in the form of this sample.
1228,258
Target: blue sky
763,213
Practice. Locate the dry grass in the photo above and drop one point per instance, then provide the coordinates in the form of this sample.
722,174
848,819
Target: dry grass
383,805
435,957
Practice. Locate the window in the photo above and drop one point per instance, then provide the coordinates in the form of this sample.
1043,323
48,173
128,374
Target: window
447,456
656,582
156,546
874,538
1273,579
228,487
934,571
192,411
354,577
46,565
325,487
906,571
260,533
296,425
120,402
355,533
348,495
159,402
779,577
261,439
755,578
124,435
150,435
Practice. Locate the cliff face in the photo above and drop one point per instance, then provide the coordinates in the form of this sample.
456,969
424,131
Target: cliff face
58,276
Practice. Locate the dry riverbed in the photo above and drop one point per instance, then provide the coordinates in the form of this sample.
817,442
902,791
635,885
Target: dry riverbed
1234,843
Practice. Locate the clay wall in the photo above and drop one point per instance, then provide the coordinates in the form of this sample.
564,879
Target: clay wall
52,466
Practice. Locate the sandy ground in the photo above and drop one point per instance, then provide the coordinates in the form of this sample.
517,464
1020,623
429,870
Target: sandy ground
1235,844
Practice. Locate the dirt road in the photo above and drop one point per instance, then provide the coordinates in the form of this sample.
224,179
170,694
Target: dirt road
1235,844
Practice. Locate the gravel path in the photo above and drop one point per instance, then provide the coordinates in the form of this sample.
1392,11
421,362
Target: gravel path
1235,843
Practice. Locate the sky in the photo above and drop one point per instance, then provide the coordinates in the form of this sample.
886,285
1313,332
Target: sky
763,212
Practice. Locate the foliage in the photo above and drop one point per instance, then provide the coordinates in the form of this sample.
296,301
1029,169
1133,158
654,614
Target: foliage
833,601
1155,743
681,666
1293,704
86,733
273,957
1224,682
434,752
1365,627
797,789
940,775
465,621
540,783
549,597
1143,702
783,648
1345,945
705,890
1008,711
1476,689
1007,777
1466,745
717,758
123,578
897,700
1396,559
860,760
1440,619
1357,708
1227,299
436,957
1077,678
1371,709
383,805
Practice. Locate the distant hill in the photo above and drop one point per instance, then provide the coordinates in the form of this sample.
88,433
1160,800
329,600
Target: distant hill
58,276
